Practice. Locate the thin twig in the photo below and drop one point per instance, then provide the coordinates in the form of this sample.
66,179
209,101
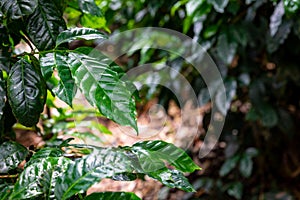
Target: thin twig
9,176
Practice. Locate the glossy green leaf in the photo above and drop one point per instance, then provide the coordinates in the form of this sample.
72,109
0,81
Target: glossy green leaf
44,153
78,33
39,178
11,155
152,154
26,92
172,178
219,5
44,25
103,88
83,173
2,97
47,64
112,196
66,88
89,7
15,9
5,191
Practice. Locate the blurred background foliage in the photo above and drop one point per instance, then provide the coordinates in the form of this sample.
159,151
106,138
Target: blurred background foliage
256,46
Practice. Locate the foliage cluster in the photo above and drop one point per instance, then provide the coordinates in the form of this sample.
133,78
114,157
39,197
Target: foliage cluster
60,170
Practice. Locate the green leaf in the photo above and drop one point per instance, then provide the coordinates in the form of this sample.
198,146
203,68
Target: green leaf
228,165
5,191
83,173
172,178
112,196
103,88
235,190
230,87
219,5
152,154
44,25
39,178
15,9
273,42
26,92
44,153
89,7
268,115
47,64
92,21
291,6
4,49
226,50
66,88
246,166
78,33
11,155
2,96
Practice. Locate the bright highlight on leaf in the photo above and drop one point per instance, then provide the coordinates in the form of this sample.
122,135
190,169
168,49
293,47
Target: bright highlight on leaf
78,33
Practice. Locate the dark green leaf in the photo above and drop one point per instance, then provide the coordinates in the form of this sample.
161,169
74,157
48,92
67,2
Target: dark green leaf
44,153
47,63
83,173
103,88
39,178
89,7
66,89
273,42
226,50
4,49
5,191
11,155
228,165
246,165
235,190
44,25
219,5
15,9
78,33
2,97
172,178
152,154
269,117
26,92
230,86
112,196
